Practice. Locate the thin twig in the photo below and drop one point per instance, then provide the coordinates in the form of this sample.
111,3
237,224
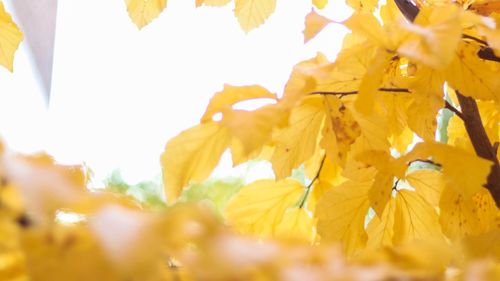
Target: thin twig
308,188
465,36
424,161
452,108
341,94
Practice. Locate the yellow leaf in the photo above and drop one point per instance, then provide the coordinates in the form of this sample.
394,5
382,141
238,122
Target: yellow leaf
213,3
340,130
142,12
320,4
414,219
259,207
345,74
10,38
341,214
372,80
434,36
363,5
314,24
472,76
374,131
192,155
367,25
427,100
485,8
297,225
381,229
461,216
428,184
380,192
297,142
254,128
230,95
466,178
252,13
301,82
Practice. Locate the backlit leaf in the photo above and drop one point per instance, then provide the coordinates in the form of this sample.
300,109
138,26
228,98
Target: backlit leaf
461,216
230,95
297,225
259,207
341,214
297,142
414,219
214,3
10,38
320,4
471,76
314,24
252,13
428,184
142,12
191,156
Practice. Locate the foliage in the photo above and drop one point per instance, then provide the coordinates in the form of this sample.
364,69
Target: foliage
383,199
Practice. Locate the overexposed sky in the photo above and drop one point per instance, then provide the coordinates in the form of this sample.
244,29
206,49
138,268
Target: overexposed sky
118,94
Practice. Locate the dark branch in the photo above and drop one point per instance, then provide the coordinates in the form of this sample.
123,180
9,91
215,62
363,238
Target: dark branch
481,143
424,161
341,94
487,53
465,36
407,8
453,109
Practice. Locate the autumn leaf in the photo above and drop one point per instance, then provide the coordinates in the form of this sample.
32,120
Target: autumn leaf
415,219
191,156
435,35
142,12
297,225
252,13
297,142
10,38
320,4
428,184
471,76
341,214
365,6
461,216
314,24
254,128
427,100
259,207
466,178
213,3
367,25
340,130
381,229
231,95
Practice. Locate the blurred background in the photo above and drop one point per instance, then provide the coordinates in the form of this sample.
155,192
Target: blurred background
89,87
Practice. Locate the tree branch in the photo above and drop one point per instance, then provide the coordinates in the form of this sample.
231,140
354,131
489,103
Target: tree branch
341,94
470,115
481,142
453,109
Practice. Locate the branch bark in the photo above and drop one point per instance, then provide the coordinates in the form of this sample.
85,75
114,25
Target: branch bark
481,143
470,116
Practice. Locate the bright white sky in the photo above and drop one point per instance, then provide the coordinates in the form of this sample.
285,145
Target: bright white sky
119,94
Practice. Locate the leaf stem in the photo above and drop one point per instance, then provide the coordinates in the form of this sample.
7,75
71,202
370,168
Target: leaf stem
308,188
